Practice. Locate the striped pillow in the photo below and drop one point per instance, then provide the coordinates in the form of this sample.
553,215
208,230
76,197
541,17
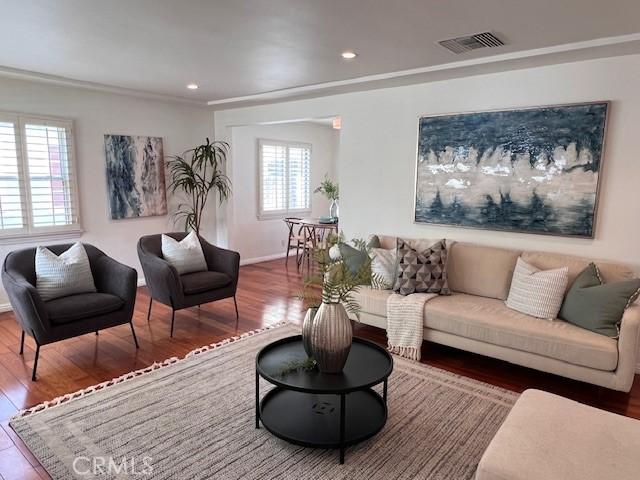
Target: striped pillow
185,255
383,265
536,292
65,274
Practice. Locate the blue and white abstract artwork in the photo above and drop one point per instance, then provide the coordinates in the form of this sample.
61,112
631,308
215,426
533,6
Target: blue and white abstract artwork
533,170
135,176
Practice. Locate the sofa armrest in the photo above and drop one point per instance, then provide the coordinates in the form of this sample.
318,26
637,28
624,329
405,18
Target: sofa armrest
27,305
222,260
111,276
162,279
628,343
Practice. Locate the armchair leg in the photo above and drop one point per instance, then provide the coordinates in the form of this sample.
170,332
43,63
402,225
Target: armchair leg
133,332
149,312
235,302
22,343
173,317
35,363
96,333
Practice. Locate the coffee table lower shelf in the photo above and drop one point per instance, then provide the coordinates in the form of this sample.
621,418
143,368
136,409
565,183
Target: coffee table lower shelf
323,420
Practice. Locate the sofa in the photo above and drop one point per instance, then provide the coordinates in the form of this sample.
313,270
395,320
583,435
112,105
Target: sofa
546,436
475,318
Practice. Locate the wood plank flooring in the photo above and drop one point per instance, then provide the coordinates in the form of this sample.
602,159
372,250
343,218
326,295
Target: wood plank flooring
266,296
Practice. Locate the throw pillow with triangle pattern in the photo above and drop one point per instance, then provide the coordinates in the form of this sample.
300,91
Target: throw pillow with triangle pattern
421,271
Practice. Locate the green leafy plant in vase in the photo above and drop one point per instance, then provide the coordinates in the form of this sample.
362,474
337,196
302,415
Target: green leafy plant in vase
331,191
327,333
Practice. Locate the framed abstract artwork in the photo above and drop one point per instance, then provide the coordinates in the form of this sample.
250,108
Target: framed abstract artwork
135,176
533,170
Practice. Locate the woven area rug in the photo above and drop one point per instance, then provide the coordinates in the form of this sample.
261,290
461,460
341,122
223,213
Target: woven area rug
194,419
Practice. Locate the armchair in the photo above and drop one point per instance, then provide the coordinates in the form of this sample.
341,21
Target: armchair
183,291
66,317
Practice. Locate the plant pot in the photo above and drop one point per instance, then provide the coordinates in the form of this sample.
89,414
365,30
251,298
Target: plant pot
334,210
331,337
306,330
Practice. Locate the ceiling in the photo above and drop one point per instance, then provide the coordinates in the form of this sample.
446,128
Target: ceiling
240,48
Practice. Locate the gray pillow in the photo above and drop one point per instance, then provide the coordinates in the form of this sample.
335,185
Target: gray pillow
355,259
185,255
598,306
421,271
66,274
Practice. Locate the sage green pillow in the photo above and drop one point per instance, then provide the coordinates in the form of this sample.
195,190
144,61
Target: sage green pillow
598,306
353,258
374,242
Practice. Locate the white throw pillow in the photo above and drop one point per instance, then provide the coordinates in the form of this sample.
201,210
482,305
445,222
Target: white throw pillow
66,274
185,255
384,264
536,292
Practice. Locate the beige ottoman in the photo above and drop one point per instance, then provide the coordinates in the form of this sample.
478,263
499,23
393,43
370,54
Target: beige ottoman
547,437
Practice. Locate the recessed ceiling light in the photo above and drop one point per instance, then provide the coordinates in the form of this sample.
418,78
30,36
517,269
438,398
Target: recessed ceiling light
192,86
349,55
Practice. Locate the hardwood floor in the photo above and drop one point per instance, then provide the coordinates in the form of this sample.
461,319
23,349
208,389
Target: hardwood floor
266,296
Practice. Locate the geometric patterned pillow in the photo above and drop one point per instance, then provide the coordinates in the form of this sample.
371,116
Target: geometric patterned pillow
536,292
421,271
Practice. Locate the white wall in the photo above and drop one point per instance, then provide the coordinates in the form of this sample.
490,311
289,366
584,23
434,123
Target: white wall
94,114
259,239
378,148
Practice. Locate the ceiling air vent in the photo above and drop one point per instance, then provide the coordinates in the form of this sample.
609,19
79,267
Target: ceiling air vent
471,42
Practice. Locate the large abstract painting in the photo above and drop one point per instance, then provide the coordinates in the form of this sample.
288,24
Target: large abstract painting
533,170
135,176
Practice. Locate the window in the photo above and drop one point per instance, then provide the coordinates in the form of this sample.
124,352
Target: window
38,193
285,179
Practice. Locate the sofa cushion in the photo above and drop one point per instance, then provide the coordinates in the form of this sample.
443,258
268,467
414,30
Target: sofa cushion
479,270
598,306
421,271
372,300
536,292
610,272
491,321
83,305
199,282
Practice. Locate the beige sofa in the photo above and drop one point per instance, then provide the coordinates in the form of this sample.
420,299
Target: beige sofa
475,317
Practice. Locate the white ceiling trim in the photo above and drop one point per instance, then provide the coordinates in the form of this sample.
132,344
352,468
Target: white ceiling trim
9,72
363,81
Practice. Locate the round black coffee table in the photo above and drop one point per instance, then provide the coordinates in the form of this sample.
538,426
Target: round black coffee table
322,410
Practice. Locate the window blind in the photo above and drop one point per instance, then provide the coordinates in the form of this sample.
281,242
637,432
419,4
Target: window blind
285,178
37,179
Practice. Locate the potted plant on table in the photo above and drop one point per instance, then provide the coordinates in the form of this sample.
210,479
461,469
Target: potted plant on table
330,190
327,334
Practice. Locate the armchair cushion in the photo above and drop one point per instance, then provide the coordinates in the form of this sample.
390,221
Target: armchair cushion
72,308
203,281
65,274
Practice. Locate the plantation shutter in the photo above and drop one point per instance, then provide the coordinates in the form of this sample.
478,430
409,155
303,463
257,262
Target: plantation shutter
12,204
299,178
50,173
38,191
285,178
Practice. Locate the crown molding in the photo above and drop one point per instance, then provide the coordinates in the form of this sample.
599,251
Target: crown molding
9,72
610,45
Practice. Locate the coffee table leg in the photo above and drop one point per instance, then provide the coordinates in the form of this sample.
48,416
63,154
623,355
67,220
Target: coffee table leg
384,391
257,400
342,426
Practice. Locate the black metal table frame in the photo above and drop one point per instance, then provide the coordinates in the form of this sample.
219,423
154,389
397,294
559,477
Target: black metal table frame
343,444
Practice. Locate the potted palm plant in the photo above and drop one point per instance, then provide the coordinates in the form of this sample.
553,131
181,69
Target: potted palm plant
197,173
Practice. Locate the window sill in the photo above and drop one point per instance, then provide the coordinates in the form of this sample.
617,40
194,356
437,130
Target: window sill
282,215
40,237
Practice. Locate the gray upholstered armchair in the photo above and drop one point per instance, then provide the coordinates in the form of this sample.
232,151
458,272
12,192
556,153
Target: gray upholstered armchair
191,289
73,315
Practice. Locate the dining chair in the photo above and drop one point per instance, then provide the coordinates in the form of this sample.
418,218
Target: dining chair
295,239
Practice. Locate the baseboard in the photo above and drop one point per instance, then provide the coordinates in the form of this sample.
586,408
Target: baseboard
5,307
266,258
141,282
